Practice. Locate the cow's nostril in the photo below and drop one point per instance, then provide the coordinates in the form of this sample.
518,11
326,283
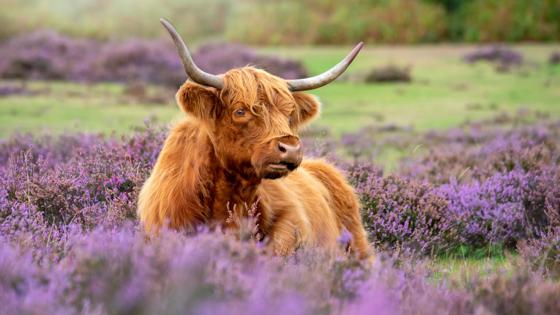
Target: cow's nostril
281,148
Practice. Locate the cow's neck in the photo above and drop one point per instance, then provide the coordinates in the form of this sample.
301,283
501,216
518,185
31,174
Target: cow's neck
232,192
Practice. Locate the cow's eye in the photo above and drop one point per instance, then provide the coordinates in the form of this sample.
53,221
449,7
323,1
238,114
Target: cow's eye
240,112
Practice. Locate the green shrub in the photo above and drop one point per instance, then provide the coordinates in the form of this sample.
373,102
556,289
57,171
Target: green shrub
282,22
510,20
406,21
329,22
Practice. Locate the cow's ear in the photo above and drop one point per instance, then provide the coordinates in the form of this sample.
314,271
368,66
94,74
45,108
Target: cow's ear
199,101
307,109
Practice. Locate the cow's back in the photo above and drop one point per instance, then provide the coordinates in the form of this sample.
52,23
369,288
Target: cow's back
318,193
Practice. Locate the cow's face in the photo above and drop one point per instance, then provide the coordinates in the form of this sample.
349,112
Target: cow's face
252,121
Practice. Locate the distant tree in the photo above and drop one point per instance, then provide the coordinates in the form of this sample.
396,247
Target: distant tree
450,6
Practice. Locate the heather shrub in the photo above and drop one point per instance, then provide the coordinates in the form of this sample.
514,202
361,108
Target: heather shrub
497,183
389,73
157,62
48,55
472,151
543,250
491,212
221,57
11,89
478,153
69,180
401,213
153,61
554,58
502,56
118,271
521,293
543,253
368,143
43,55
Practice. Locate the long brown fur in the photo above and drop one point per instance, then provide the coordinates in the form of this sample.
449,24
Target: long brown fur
214,161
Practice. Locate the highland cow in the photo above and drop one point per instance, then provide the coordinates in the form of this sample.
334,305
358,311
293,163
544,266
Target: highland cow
237,147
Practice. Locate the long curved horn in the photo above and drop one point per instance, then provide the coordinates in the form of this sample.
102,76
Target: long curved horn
194,72
327,76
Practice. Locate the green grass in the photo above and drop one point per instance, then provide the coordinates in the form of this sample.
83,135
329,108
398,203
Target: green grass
444,90
465,263
459,271
444,93
61,107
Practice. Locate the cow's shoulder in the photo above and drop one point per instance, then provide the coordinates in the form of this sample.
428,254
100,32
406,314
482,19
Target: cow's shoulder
332,179
322,170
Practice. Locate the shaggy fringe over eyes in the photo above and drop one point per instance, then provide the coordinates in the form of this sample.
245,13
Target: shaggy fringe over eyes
244,86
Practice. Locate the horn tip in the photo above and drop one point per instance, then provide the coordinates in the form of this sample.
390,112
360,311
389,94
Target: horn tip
359,46
165,23
354,52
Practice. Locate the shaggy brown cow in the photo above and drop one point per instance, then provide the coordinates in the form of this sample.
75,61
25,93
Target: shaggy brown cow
238,146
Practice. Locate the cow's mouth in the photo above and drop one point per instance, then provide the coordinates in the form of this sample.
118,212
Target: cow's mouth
282,166
280,169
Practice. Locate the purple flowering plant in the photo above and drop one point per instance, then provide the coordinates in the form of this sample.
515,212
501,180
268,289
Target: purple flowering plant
70,241
47,55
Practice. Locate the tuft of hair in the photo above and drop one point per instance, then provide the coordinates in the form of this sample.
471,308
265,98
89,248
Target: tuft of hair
246,85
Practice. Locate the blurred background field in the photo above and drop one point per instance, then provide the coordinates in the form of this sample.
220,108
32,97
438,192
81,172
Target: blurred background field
306,22
444,91
92,43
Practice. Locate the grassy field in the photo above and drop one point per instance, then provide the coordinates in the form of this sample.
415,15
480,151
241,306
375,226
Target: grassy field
445,92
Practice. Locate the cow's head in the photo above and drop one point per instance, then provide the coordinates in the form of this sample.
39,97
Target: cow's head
252,117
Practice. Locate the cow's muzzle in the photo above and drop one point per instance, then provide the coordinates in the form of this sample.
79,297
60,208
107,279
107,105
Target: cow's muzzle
287,157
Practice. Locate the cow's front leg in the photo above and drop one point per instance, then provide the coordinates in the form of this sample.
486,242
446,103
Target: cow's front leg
289,233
